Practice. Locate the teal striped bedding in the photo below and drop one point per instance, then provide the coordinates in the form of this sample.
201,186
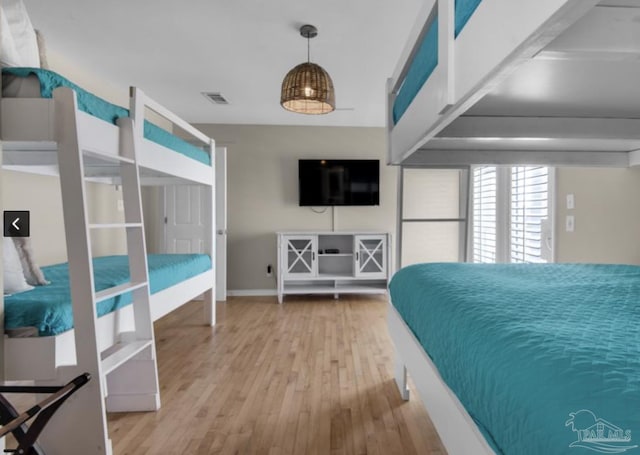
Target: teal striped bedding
49,307
544,357
108,112
426,58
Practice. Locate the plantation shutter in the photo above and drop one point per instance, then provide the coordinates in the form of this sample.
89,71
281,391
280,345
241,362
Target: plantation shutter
529,211
485,214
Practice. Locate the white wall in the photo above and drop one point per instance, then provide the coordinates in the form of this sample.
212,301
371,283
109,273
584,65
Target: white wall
88,80
263,190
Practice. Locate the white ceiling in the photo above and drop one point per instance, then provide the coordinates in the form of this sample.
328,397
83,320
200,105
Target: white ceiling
174,50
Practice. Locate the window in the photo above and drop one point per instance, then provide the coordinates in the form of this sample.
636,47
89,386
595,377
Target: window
484,214
433,215
512,214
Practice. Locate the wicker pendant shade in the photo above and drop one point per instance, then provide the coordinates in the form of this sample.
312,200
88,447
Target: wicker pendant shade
308,88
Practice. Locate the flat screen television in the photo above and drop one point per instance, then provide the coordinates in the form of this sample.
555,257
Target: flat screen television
339,182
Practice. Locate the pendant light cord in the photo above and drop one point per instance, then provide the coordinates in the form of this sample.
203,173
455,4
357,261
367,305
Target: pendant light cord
308,49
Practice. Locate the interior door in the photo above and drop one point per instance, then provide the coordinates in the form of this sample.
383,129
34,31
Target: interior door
221,222
185,214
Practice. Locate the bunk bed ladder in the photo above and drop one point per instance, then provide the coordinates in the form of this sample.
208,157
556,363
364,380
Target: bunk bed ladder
125,375
134,385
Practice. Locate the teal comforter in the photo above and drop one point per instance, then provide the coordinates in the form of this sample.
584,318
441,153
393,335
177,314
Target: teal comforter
49,307
108,112
545,358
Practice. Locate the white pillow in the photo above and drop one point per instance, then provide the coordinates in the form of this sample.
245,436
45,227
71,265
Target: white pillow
19,42
32,272
13,274
8,53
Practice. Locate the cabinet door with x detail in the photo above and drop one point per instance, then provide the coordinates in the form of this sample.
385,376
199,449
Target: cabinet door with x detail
371,256
300,256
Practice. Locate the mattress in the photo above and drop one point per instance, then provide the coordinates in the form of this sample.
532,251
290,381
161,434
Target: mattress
536,353
36,82
425,59
49,309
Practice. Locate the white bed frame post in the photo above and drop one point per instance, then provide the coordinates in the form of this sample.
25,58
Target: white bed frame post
390,100
446,48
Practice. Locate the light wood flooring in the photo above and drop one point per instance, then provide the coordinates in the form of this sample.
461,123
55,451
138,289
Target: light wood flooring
312,376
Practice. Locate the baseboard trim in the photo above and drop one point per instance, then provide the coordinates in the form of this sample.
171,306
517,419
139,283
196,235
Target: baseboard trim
251,292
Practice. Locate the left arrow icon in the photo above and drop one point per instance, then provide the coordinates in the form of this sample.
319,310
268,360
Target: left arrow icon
16,223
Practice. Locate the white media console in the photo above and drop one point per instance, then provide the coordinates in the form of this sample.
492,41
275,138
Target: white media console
333,263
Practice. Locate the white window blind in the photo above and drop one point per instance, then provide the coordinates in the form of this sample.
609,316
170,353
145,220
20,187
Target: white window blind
433,224
511,213
529,210
484,214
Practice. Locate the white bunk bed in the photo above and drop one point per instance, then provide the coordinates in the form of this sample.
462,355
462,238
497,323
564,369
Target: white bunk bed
546,82
550,82
52,136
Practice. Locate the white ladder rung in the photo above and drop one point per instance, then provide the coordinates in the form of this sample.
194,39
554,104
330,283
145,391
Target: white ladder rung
118,354
114,225
117,290
109,156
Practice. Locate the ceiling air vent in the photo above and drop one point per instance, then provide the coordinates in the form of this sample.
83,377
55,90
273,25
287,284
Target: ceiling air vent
215,97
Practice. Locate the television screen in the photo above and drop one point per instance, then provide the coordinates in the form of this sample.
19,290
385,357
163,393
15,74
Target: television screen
339,182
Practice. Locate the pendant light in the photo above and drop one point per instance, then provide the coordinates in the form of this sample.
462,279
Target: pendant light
308,88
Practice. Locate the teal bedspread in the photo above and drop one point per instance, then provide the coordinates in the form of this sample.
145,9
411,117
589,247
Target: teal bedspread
524,346
49,307
426,58
108,112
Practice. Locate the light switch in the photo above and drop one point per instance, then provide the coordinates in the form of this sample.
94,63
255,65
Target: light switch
570,202
120,205
570,223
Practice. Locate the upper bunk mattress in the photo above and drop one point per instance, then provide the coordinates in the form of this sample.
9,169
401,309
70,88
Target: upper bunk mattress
33,82
533,352
49,307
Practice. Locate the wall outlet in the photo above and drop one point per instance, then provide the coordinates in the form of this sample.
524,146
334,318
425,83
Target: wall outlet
269,270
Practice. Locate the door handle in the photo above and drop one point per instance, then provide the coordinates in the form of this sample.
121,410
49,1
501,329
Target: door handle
221,231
